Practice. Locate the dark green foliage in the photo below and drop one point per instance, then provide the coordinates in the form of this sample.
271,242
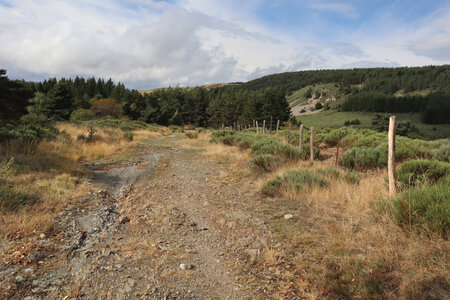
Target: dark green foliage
352,122
384,80
294,179
435,107
82,114
14,97
318,105
221,133
11,199
420,172
425,209
27,132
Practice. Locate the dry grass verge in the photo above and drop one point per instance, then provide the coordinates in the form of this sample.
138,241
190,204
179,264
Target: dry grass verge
38,179
340,244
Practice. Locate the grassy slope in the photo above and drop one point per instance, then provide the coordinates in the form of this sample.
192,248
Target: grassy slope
298,97
336,119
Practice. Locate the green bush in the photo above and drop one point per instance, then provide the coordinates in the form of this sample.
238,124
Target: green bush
220,133
361,158
294,179
265,163
27,132
419,172
12,200
82,115
442,153
425,209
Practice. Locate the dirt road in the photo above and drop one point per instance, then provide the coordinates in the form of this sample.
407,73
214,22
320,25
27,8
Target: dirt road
167,225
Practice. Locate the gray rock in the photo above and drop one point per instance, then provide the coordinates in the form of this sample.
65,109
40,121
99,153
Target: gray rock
29,271
187,266
288,216
19,279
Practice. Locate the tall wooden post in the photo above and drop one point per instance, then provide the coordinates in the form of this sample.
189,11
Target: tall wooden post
289,134
391,158
223,126
264,127
278,126
311,145
253,123
257,128
337,149
300,139
270,131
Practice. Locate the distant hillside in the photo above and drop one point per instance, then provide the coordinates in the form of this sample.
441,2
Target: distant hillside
386,80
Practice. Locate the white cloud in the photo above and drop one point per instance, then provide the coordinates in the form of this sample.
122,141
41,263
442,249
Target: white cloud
148,44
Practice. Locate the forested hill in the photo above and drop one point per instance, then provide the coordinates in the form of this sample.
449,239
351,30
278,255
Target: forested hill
385,80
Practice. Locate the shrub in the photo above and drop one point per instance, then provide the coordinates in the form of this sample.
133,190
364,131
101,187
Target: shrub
27,132
442,153
419,172
82,115
294,179
220,133
318,105
265,163
361,158
425,209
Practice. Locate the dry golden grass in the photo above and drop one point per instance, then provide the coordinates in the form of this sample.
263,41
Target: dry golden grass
340,241
51,171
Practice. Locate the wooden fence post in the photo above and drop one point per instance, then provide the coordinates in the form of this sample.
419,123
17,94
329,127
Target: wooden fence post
311,145
391,158
264,127
278,126
270,131
300,139
253,123
289,134
223,126
337,149
257,128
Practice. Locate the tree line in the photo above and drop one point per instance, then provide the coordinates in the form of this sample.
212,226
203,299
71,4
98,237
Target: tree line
434,107
64,99
384,80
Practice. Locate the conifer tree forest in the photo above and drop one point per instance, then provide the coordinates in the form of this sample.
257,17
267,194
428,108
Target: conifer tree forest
30,104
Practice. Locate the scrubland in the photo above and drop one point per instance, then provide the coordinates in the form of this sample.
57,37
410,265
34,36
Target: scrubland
347,238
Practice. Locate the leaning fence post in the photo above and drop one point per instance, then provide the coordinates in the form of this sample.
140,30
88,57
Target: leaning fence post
337,149
264,127
257,128
391,158
278,126
311,145
300,139
289,134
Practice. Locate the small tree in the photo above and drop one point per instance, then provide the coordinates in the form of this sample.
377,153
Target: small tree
106,107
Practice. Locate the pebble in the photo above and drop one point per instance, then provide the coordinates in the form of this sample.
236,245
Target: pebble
19,279
29,271
124,219
288,216
186,266
42,236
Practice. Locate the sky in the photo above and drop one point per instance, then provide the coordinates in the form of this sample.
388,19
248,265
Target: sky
149,43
